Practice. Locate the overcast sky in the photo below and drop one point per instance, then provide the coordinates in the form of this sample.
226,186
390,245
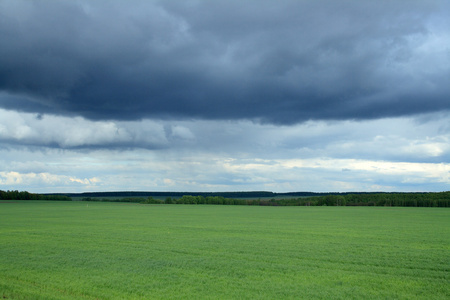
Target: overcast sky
225,95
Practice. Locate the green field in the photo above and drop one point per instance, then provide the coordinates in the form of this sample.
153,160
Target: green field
79,250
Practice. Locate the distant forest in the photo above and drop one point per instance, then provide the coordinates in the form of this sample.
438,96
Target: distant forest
261,198
16,195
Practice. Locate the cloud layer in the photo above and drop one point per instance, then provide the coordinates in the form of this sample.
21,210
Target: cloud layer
282,63
49,153
224,95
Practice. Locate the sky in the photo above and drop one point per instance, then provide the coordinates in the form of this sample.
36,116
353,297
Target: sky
282,96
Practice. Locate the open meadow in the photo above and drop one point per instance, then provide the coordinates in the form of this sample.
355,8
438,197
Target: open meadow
80,250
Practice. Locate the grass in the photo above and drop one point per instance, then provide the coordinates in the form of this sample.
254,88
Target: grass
79,250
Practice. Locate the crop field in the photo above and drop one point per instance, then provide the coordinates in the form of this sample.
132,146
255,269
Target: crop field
79,250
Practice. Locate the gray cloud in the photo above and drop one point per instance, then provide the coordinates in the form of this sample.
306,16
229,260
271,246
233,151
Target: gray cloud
280,62
424,140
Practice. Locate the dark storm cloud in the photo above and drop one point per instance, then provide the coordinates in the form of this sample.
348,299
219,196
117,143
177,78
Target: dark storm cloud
272,61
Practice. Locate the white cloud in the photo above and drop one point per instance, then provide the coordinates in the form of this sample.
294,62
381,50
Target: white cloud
182,132
11,179
66,132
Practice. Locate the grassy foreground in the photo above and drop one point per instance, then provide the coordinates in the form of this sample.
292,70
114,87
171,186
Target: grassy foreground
75,250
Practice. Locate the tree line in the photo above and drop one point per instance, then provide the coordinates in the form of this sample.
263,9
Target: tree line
23,195
441,199
438,199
